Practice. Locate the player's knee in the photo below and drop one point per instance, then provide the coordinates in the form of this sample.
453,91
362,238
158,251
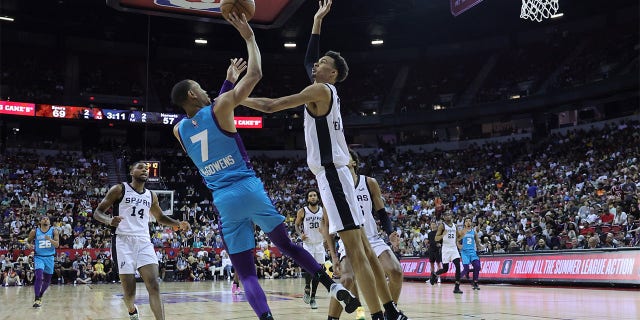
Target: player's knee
347,280
395,272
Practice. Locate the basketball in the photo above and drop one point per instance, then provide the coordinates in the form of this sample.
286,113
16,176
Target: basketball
248,7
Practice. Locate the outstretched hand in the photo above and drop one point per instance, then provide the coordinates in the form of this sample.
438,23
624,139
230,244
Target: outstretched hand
236,68
325,7
241,24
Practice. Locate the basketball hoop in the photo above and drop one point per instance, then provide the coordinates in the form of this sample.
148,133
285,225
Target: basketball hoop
537,10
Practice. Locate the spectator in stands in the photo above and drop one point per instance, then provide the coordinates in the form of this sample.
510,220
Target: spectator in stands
610,241
541,245
99,275
608,216
593,242
11,278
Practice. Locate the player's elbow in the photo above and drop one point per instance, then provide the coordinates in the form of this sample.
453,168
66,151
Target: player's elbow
254,75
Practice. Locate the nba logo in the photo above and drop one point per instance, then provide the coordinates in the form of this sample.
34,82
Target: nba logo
200,5
506,266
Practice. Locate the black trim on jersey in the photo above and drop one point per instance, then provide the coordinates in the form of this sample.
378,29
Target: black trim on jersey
314,212
328,111
324,142
335,187
366,184
114,255
144,190
116,207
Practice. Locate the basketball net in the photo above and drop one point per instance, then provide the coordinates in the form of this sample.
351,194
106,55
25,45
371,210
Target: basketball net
537,10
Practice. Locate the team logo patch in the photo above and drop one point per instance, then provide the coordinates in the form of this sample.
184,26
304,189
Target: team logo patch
200,5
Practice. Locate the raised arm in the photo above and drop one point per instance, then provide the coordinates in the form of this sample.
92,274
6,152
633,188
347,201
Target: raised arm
235,69
228,101
314,93
313,48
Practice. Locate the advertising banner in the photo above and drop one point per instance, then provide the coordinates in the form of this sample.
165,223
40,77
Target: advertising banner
621,267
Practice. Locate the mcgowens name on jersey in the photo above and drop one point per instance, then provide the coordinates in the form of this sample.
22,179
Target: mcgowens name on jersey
217,165
137,202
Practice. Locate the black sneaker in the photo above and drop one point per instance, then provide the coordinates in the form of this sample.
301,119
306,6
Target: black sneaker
37,303
266,316
476,287
433,278
456,289
400,316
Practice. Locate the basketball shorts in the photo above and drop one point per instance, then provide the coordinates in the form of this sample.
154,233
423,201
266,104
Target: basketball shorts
242,205
435,256
377,244
133,252
468,256
45,263
316,250
338,199
448,255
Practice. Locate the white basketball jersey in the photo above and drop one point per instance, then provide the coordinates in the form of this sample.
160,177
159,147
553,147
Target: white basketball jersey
366,207
134,209
311,225
449,238
324,137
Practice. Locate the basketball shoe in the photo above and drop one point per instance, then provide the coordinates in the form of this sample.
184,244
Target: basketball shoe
348,301
37,303
135,315
360,314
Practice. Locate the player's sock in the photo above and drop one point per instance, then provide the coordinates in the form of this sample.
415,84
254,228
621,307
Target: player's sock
37,284
46,281
301,256
245,267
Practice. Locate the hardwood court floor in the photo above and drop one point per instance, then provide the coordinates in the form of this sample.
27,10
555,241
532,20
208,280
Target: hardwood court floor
213,300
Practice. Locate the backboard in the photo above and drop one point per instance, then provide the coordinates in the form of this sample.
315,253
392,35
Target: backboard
269,13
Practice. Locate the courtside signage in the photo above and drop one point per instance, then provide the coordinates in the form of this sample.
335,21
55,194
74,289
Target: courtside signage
621,267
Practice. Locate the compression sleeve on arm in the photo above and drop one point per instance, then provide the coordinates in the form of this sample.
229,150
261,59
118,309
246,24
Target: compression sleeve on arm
385,221
226,86
313,54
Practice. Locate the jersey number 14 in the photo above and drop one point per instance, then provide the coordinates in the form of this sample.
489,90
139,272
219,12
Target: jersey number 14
140,212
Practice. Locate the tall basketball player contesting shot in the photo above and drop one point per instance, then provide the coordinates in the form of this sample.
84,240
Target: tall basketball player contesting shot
328,157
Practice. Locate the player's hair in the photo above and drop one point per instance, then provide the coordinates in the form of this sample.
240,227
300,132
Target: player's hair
306,197
179,92
356,159
133,165
340,64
